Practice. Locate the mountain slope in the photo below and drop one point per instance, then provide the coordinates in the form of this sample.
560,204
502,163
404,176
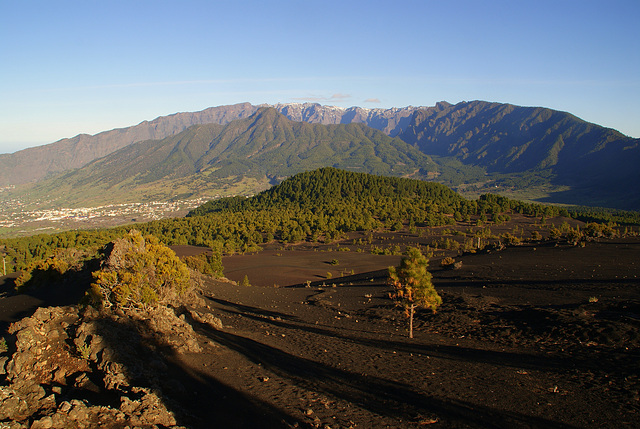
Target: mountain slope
34,164
507,139
208,157
598,164
525,152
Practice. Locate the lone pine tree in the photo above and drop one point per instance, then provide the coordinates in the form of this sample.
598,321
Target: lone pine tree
412,284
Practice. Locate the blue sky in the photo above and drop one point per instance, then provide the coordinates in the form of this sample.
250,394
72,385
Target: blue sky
71,67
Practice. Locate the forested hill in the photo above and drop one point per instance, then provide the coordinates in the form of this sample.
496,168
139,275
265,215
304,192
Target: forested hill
320,205
331,186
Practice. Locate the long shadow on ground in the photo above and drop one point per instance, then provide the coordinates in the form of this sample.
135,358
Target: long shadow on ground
197,400
376,394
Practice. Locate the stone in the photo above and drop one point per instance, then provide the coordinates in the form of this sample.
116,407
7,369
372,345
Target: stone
43,423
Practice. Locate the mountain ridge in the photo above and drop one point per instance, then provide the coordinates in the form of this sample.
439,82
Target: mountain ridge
598,163
266,146
476,146
33,164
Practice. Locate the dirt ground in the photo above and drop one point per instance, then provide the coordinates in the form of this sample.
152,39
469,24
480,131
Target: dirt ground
537,335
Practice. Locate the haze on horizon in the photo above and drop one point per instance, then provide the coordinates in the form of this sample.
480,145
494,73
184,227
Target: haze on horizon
68,68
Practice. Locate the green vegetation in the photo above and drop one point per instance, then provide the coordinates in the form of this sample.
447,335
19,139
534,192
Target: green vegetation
553,156
52,269
317,206
447,262
207,264
84,351
412,285
602,215
138,271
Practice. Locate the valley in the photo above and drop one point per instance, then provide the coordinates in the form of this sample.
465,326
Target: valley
319,215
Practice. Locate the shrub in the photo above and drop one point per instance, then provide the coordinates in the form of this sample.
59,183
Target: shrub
447,261
555,233
210,265
509,239
573,236
593,229
51,269
448,244
138,271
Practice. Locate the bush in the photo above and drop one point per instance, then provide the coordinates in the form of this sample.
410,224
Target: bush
51,270
574,236
536,236
509,239
138,271
210,265
593,230
555,233
448,261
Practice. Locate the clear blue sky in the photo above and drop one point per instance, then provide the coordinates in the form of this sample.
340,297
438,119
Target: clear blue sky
71,67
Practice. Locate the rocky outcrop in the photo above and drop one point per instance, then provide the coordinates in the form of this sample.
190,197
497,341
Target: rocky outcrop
71,368
390,121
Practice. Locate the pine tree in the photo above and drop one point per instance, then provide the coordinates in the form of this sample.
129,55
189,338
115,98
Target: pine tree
245,281
413,285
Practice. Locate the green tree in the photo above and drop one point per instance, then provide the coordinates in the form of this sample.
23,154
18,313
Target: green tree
412,284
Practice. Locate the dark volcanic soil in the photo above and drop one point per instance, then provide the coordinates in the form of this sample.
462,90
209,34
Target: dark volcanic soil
539,335
532,336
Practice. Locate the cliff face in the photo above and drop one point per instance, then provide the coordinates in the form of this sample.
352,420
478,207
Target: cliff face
389,121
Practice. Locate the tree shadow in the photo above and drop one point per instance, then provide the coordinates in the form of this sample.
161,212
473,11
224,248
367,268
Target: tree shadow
379,276
249,310
44,290
459,353
197,399
376,394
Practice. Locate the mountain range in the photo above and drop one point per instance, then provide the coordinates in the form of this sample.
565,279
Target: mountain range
33,164
476,146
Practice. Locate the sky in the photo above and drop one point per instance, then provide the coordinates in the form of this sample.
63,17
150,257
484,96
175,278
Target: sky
87,66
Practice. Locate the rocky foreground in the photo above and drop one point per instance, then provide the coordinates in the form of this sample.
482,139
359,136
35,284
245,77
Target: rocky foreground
538,335
76,368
